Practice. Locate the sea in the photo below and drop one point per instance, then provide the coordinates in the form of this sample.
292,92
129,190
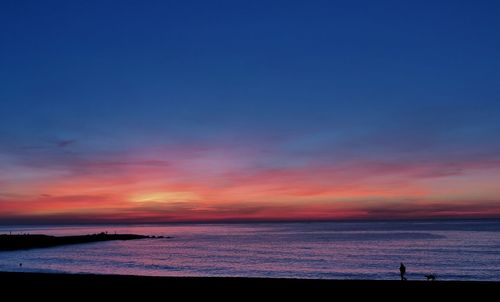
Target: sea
450,249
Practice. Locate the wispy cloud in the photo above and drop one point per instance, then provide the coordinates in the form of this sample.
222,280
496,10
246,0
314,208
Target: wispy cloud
240,184
65,143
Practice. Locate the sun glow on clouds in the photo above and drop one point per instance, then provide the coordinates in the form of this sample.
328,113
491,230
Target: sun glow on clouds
215,183
164,197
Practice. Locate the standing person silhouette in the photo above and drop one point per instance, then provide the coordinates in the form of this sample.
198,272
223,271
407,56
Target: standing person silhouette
402,271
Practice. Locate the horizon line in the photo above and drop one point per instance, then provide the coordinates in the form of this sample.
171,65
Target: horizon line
243,221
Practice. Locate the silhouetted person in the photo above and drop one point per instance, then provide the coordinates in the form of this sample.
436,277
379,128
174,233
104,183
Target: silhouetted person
402,271
20,264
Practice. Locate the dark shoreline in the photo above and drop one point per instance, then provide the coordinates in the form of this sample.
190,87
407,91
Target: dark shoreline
27,241
55,285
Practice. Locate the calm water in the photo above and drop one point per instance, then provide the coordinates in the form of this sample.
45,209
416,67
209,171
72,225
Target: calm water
454,250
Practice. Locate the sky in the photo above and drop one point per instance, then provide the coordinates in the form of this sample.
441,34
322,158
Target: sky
170,111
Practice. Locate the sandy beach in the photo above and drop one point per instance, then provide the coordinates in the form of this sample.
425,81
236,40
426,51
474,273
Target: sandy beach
163,288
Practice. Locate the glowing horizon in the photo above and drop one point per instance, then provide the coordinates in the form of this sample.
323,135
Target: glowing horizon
207,184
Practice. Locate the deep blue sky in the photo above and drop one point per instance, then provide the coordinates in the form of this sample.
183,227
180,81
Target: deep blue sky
198,68
331,81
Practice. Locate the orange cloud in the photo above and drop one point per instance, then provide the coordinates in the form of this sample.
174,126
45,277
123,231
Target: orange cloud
198,187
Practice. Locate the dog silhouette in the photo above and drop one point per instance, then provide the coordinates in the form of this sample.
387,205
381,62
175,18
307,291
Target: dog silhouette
431,277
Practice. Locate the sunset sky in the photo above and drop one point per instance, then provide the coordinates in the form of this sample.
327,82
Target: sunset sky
166,111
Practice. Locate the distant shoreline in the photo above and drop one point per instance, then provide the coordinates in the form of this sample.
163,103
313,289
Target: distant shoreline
50,285
27,241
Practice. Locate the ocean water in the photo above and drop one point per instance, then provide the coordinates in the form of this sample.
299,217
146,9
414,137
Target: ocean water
451,249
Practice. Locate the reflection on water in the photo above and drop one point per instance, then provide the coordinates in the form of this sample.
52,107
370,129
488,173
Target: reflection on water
458,250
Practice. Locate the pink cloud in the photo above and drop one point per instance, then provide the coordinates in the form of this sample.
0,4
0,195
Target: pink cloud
237,184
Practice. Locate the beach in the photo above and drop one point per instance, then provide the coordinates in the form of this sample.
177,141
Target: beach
165,288
321,261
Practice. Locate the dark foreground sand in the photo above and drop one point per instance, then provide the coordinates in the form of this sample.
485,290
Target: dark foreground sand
71,286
